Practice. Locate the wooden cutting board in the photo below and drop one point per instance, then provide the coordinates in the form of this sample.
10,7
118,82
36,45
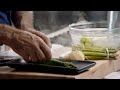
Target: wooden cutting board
99,71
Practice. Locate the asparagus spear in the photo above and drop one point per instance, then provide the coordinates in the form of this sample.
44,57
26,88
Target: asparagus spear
93,49
99,54
98,58
99,50
56,62
87,41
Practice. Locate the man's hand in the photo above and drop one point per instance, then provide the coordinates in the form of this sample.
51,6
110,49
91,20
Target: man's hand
30,46
41,35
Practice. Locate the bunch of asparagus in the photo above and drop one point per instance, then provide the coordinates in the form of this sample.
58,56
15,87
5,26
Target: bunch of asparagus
100,54
93,52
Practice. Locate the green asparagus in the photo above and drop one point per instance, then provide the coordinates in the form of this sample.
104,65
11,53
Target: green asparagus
98,58
99,54
93,52
56,62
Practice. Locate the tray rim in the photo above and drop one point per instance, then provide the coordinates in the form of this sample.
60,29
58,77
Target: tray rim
92,63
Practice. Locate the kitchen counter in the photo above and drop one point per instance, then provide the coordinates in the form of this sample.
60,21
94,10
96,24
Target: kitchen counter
99,71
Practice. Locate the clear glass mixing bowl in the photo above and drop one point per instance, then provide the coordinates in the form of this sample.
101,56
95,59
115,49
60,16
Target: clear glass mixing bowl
98,32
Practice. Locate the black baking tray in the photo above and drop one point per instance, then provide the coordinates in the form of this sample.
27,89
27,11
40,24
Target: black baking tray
21,65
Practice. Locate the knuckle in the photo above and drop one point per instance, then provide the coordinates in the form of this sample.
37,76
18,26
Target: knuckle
49,40
46,38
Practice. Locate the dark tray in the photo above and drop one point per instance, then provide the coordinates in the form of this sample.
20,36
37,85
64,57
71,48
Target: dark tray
8,58
21,65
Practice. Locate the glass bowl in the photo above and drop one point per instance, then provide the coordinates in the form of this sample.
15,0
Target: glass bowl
97,32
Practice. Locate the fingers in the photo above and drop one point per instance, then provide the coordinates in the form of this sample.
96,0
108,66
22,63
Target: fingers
33,57
31,54
31,48
39,46
46,50
40,55
41,50
21,52
43,36
36,55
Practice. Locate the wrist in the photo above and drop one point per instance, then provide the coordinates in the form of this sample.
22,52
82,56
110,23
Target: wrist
7,38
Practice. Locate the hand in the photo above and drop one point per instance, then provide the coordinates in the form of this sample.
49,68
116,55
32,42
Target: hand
31,47
41,35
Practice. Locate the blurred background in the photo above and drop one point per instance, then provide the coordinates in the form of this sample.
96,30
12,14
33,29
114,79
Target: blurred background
55,21
50,21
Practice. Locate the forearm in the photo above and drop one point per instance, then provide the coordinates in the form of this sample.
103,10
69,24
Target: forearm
23,20
6,34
